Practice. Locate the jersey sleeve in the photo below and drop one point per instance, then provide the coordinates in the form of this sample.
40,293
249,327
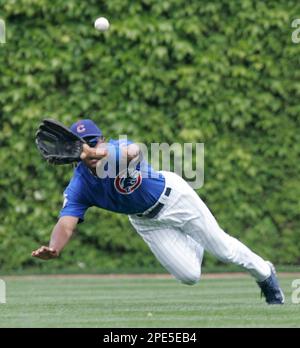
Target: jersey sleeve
74,203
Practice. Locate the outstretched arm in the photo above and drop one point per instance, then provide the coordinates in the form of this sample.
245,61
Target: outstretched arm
130,151
61,234
97,152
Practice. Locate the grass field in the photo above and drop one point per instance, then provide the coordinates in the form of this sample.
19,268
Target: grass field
143,302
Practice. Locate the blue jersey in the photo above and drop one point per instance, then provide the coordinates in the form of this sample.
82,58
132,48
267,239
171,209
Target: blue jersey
128,195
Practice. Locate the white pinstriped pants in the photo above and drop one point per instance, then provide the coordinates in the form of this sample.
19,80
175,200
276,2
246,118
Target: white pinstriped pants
184,228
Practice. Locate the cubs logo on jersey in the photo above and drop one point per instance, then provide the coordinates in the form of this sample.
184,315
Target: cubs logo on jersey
128,184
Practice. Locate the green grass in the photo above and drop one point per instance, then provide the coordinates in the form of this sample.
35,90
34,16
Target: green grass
144,302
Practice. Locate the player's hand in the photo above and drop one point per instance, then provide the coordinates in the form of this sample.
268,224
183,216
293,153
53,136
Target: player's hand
93,152
45,253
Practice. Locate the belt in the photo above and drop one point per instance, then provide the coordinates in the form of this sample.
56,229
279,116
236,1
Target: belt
158,207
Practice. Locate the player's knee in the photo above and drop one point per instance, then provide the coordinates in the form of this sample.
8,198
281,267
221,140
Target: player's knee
189,281
227,255
228,252
191,278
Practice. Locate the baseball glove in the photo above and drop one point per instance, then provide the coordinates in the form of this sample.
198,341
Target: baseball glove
57,144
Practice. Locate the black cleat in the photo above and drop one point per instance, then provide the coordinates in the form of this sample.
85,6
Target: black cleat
270,288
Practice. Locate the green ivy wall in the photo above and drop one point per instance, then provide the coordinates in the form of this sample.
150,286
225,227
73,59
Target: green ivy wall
225,73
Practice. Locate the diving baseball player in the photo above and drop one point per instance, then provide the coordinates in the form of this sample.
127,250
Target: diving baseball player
164,210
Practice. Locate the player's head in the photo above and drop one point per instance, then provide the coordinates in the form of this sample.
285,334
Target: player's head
91,133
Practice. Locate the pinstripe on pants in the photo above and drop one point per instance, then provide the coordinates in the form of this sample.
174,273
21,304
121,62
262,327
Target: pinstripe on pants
184,228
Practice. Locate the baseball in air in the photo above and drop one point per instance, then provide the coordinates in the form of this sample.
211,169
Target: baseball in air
101,24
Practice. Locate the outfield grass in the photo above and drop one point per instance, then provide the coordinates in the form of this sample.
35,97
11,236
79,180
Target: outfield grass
143,302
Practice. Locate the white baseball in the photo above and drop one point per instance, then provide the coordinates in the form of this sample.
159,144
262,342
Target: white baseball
101,24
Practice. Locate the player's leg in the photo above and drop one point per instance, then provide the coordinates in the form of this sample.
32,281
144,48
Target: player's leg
200,224
206,231
226,248
176,251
